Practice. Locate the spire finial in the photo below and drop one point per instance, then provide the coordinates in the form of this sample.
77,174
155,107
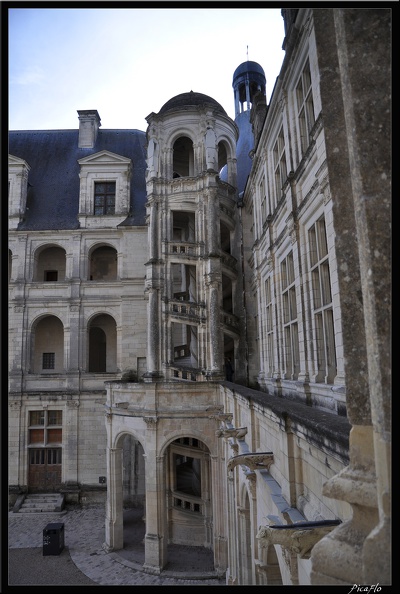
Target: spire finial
247,52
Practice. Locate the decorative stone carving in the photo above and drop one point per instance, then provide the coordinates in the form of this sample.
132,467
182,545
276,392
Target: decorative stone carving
224,417
237,433
15,405
73,403
258,461
123,405
151,422
297,538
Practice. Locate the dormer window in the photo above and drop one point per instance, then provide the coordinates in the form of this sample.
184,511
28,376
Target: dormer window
105,195
104,198
18,171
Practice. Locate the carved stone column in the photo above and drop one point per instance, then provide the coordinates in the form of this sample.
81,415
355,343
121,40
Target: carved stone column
232,570
156,539
354,51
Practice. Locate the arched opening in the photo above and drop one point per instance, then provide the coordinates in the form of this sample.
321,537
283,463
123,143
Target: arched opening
245,552
97,350
50,264
184,286
103,264
183,226
102,356
227,294
227,163
189,513
271,573
185,345
229,358
48,346
183,157
134,499
222,156
225,238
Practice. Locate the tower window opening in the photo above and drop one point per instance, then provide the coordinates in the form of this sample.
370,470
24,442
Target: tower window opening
183,158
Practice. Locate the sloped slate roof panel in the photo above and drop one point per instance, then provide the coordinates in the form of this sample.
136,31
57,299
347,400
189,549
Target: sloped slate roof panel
53,190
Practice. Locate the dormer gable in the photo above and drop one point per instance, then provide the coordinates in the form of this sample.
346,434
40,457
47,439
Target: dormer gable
105,157
104,197
18,171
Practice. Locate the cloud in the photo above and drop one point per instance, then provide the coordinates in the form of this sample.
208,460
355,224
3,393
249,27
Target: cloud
32,76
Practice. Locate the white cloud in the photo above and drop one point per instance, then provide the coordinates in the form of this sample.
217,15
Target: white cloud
34,75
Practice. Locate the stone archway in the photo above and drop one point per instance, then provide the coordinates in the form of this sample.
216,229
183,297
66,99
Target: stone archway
125,510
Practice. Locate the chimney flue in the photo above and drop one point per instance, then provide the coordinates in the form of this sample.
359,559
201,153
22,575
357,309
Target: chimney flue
89,124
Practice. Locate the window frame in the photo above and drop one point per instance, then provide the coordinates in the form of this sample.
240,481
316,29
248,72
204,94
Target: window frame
305,107
105,196
279,163
290,321
321,301
50,358
45,429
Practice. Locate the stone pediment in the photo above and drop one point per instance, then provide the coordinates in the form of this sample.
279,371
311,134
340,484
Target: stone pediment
104,157
17,161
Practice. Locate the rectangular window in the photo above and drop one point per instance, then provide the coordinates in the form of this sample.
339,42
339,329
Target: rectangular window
36,457
269,329
54,417
321,299
50,275
104,198
54,456
280,171
305,107
263,200
289,314
42,427
48,361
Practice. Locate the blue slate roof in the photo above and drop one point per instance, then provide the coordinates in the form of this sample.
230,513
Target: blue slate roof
244,145
53,181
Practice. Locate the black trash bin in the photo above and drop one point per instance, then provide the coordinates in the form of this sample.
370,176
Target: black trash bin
53,538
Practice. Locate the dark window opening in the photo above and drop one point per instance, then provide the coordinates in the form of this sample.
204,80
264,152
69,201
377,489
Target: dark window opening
50,275
188,475
48,361
183,157
97,350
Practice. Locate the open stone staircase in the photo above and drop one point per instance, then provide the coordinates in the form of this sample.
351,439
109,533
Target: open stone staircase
34,503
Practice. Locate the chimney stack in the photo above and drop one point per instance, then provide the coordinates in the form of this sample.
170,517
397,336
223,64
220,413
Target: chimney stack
89,124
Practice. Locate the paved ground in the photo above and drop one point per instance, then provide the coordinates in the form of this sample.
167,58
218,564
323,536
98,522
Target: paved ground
83,561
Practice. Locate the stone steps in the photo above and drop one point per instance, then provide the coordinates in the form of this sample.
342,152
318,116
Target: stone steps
35,503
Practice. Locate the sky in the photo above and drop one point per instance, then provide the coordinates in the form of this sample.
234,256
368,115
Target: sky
128,62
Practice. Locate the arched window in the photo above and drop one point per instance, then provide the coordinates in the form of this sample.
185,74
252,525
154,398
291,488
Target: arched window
222,156
188,482
103,264
48,346
183,159
102,345
50,264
